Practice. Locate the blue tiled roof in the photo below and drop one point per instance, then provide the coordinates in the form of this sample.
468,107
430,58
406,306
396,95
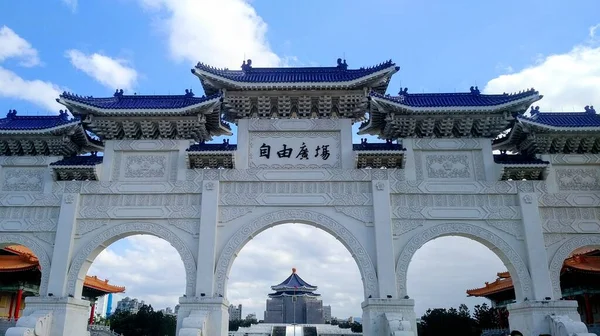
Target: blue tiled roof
293,281
133,102
204,147
589,118
292,293
473,98
12,122
381,146
517,159
87,160
341,73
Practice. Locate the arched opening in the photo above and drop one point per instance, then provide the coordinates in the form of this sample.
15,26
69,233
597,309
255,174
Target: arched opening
323,253
575,274
132,269
23,273
509,269
449,272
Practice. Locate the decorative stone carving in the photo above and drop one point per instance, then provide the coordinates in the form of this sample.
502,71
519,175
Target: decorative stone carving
146,145
23,179
563,253
575,158
88,225
478,165
37,323
296,187
294,124
363,214
209,186
453,200
379,186
448,166
485,212
295,199
227,214
68,198
28,218
29,199
141,200
141,212
147,187
116,168
242,236
191,226
468,187
513,228
37,160
446,144
510,257
37,249
553,238
91,249
292,175
570,199
145,166
400,227
527,199
570,220
578,179
46,237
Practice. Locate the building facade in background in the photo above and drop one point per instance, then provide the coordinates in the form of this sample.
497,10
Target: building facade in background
128,304
235,312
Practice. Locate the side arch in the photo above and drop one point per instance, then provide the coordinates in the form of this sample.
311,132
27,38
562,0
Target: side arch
515,264
563,253
321,221
39,252
87,253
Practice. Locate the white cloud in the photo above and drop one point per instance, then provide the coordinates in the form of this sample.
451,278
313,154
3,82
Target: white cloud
72,4
14,46
36,91
593,31
141,263
568,81
110,72
219,33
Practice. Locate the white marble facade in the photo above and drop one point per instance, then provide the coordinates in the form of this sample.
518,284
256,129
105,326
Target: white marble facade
382,216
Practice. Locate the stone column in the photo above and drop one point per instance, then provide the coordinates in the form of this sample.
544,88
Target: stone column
205,273
389,317
533,316
203,316
386,275
63,246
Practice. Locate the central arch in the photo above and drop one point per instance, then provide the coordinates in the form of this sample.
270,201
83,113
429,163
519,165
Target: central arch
515,264
87,253
39,252
563,252
321,221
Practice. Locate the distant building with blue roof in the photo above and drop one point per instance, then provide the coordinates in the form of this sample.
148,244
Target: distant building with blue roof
294,301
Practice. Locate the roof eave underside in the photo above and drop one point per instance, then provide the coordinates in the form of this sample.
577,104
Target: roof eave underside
188,110
212,83
59,129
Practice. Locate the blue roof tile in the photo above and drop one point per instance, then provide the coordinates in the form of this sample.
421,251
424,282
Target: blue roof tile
517,159
589,118
293,281
86,160
340,73
473,98
12,122
380,146
134,102
205,147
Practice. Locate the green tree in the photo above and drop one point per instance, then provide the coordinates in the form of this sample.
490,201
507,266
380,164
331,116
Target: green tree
146,322
438,321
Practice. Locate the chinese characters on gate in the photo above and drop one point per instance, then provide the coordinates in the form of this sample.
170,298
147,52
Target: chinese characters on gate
303,152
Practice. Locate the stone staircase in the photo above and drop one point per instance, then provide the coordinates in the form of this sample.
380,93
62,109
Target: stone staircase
100,330
5,324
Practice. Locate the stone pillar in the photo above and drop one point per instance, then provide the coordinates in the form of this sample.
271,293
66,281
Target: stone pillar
203,316
63,246
377,314
539,311
205,276
537,256
386,275
410,168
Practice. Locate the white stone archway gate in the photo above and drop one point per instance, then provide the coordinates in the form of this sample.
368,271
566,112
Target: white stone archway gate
435,175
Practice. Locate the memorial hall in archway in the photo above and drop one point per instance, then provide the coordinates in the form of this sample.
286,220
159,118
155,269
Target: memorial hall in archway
494,168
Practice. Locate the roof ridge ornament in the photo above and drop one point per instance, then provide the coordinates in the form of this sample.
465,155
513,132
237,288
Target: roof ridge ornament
189,93
534,111
590,110
118,93
11,114
475,90
341,64
247,65
64,115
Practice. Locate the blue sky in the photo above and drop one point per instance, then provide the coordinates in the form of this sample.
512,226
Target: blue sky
93,47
